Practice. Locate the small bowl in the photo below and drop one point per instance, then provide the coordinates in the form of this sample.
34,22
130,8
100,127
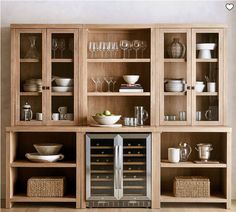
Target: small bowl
61,89
206,46
48,148
106,120
199,82
64,82
199,87
131,79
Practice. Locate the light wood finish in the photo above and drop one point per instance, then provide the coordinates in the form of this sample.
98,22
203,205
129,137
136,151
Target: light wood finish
118,94
122,60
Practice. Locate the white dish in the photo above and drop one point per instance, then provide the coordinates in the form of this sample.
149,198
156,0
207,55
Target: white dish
174,81
131,79
207,46
199,82
48,148
64,82
106,120
61,89
174,88
36,157
199,87
30,87
103,125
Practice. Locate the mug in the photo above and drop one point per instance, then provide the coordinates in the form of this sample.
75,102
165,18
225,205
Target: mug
211,87
182,116
173,155
55,116
69,116
39,116
198,115
62,110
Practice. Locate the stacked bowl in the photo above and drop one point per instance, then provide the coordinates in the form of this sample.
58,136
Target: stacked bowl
174,86
33,85
63,85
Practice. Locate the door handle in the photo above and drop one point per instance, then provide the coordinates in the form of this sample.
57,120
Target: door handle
116,167
120,170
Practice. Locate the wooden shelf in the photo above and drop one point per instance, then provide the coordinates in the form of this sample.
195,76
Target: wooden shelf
25,198
62,93
61,60
120,60
29,60
119,94
175,93
206,93
31,93
168,197
166,164
174,60
134,163
213,60
25,163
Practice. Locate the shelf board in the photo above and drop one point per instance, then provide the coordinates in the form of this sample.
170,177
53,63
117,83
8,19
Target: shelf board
120,60
62,60
119,94
189,164
25,163
29,60
62,93
213,60
206,93
174,60
168,197
25,198
31,93
175,93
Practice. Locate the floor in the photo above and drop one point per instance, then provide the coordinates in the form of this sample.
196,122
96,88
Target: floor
169,208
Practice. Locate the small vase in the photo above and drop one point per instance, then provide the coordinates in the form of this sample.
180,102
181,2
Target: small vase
176,49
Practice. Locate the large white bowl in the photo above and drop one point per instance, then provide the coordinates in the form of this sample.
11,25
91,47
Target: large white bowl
35,157
65,82
106,120
61,89
174,88
48,148
206,46
199,87
131,79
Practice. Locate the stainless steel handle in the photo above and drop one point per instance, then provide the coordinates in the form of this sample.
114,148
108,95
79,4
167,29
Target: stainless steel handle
120,170
116,168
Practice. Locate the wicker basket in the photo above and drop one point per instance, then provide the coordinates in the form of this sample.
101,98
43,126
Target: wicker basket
192,186
46,186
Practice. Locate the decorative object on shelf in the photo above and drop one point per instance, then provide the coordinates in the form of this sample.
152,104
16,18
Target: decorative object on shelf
199,86
136,46
32,85
124,45
131,86
191,186
54,46
108,80
204,151
185,151
36,157
141,114
106,118
173,155
198,115
176,49
211,87
62,110
97,81
32,52
212,113
39,116
131,79
174,85
143,47
48,148
182,115
205,50
26,113
61,45
61,89
55,116
63,82
46,186
130,121
170,117
69,116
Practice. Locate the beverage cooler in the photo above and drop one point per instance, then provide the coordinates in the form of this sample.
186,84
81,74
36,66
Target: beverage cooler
118,170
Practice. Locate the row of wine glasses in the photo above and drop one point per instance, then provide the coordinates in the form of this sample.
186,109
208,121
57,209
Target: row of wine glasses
99,81
60,44
110,49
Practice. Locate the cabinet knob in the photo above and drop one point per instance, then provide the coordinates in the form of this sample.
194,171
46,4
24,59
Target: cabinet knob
193,87
43,87
188,87
48,88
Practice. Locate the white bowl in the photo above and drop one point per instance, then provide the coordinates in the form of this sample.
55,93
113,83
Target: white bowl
35,157
174,88
48,148
65,82
199,82
61,89
131,79
206,46
107,120
174,81
199,87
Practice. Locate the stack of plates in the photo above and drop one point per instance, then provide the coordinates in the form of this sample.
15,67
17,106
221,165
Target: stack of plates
32,85
63,85
174,86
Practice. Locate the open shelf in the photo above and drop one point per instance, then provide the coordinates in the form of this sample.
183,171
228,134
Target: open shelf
26,60
120,60
174,60
62,93
175,93
213,60
119,94
206,93
62,60
31,93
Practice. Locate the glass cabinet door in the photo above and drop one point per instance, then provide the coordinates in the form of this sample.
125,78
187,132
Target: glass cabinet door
62,57
175,76
208,77
30,70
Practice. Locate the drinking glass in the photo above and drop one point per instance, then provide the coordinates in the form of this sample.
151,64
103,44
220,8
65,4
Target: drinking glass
108,81
32,51
130,48
143,46
62,46
108,48
136,46
113,81
116,48
54,46
90,48
71,46
95,81
124,45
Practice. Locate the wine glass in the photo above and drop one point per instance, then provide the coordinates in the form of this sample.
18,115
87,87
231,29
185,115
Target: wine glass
136,46
32,51
124,45
90,48
113,81
95,81
62,46
130,49
108,81
143,46
54,46
71,46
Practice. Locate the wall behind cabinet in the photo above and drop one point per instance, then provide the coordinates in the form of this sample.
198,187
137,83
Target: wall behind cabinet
115,12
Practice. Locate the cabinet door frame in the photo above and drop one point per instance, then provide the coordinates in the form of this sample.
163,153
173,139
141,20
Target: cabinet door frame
162,74
221,76
75,73
15,75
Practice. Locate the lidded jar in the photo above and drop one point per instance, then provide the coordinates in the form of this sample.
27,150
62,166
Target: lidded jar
176,49
185,151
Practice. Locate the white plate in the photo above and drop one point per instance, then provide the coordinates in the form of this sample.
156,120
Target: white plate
36,157
104,125
61,89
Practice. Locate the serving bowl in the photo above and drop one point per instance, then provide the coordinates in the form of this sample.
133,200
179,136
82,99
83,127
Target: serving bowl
205,50
61,89
131,79
199,87
64,82
35,157
48,148
107,120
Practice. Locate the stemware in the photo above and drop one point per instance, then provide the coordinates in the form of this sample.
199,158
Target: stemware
54,46
94,79
32,51
124,45
71,46
113,81
136,46
62,46
108,81
90,48
143,46
130,48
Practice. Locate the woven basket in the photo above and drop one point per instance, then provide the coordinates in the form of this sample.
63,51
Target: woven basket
192,186
46,186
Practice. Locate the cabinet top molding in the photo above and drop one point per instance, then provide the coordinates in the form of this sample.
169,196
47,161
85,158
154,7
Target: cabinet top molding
116,26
